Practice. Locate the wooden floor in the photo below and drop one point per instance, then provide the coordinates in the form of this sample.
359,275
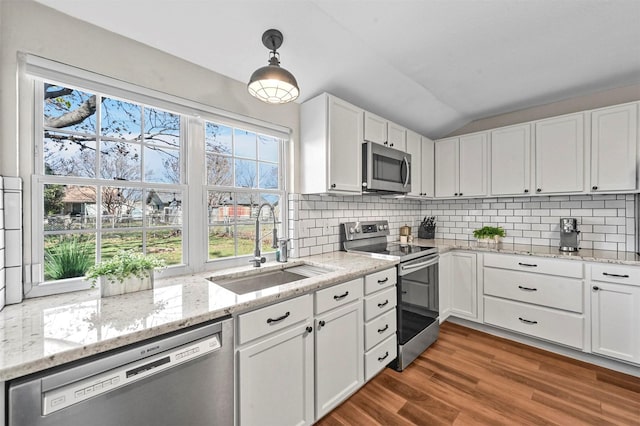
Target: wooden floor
469,377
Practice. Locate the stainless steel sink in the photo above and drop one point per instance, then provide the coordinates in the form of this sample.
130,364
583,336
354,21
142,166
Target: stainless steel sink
262,280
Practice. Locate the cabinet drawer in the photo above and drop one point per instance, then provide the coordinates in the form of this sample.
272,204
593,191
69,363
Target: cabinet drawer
273,318
379,280
551,291
379,357
540,265
379,329
557,326
379,303
615,274
338,295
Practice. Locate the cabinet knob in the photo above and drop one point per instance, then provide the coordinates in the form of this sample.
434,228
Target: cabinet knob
333,185
460,194
596,288
391,144
526,191
539,190
321,323
386,143
594,187
456,194
309,329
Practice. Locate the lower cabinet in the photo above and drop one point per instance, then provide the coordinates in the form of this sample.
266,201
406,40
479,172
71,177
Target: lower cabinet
463,287
615,312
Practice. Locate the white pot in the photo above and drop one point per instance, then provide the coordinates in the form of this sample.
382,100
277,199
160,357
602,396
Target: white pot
129,285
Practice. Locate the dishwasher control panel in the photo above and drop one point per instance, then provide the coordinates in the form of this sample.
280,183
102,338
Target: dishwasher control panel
76,392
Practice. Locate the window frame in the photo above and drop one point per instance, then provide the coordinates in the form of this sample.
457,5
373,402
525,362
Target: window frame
195,225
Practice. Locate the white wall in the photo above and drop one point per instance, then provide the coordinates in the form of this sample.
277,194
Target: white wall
26,26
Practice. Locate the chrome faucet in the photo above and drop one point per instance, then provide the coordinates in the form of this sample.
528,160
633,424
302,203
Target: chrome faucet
257,258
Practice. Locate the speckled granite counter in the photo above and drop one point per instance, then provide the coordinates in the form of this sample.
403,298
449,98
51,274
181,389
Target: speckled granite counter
605,256
45,332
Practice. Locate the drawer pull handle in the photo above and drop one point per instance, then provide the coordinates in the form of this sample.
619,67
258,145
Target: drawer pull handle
531,265
382,358
341,296
527,288
526,321
615,275
383,281
404,292
382,305
270,320
383,329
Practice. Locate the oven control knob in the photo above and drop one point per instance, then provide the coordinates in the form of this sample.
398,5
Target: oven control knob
357,230
352,230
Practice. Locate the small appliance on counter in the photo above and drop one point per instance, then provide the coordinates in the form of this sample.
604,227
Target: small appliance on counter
569,234
427,229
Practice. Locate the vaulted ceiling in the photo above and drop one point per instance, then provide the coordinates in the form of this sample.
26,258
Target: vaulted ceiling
430,65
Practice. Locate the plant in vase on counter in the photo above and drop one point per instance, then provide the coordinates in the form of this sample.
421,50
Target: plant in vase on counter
489,234
127,271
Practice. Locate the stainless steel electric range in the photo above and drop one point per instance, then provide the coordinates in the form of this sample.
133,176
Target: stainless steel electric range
417,286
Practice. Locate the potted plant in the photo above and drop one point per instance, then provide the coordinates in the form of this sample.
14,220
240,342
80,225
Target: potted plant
489,234
126,272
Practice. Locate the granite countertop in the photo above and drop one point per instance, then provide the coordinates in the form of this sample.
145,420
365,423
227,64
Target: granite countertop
48,331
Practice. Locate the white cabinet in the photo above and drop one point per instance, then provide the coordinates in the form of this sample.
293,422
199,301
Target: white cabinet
615,312
331,144
427,168
444,286
559,154
461,166
275,374
463,285
384,132
414,147
338,355
614,140
511,160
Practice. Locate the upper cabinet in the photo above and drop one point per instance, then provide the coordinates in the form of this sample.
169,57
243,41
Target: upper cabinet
614,140
330,149
384,132
461,166
511,160
427,166
559,154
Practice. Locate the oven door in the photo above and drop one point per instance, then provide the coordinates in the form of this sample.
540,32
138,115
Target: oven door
418,296
385,169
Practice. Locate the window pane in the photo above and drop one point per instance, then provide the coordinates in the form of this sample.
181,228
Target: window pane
246,234
68,256
268,175
219,170
121,119
113,242
166,244
161,127
69,155
221,208
122,207
69,207
268,148
163,208
120,161
221,241
69,109
218,138
245,144
161,165
245,173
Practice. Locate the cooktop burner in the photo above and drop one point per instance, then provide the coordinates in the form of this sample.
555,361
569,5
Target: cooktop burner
395,249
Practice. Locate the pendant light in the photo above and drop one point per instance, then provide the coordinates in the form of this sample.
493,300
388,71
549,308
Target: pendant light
273,84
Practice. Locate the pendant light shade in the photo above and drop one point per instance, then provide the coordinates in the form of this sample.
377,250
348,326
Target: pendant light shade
273,84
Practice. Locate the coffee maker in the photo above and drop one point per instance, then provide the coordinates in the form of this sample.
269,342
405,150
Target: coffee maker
569,234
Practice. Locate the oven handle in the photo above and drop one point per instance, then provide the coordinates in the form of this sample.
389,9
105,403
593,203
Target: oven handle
410,267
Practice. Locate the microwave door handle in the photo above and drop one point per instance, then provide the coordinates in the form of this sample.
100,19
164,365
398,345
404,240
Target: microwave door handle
406,178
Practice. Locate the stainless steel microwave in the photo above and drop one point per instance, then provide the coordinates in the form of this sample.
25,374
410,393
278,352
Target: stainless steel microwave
385,169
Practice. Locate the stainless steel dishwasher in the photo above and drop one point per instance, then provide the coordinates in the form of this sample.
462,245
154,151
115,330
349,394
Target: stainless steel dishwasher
185,378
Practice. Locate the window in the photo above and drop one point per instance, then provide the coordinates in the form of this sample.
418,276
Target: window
122,167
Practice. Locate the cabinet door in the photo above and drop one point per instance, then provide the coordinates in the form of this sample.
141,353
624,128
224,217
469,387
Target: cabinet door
614,139
345,146
560,154
444,286
414,145
446,168
615,320
375,128
275,383
511,160
473,165
339,356
463,287
396,136
427,165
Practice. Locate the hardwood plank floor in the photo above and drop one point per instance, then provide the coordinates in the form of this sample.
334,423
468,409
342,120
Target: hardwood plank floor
469,377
